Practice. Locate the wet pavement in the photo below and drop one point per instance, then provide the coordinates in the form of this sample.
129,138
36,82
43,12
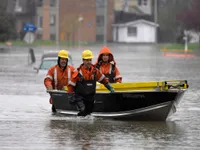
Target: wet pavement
26,121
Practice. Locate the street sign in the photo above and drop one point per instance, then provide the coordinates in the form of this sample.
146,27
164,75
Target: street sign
29,38
30,27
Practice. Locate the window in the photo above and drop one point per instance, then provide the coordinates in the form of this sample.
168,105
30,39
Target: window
162,3
52,3
139,2
99,3
142,2
18,8
132,31
99,37
40,21
52,37
52,19
39,3
100,20
49,62
46,64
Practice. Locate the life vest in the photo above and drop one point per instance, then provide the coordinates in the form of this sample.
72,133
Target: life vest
86,88
56,76
111,74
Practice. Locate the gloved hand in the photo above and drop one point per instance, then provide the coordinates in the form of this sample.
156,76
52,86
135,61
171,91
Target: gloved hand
71,98
110,88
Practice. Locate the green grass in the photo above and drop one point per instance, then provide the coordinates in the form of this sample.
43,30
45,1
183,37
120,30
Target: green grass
191,46
172,46
44,43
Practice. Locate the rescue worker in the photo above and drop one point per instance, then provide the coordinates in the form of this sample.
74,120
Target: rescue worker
107,65
59,75
82,86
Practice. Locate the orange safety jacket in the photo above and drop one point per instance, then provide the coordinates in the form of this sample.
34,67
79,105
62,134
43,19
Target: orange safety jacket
108,68
88,74
57,78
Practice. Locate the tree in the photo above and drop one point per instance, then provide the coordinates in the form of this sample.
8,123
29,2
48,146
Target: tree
190,18
70,28
169,26
7,24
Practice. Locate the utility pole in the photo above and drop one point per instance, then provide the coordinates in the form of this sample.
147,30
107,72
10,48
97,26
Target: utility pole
105,21
80,19
156,11
57,23
156,18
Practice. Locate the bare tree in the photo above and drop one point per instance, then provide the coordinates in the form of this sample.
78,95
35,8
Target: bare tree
190,18
169,29
7,23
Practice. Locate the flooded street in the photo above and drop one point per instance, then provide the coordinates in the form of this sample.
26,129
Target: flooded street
26,121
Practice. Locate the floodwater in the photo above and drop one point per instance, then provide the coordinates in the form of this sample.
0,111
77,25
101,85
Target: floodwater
26,121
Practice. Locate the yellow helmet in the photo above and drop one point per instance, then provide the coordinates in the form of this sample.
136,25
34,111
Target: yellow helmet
87,54
63,54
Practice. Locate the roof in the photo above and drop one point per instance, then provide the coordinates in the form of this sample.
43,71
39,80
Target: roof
131,23
123,17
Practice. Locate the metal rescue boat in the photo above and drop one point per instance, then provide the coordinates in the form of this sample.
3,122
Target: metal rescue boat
155,100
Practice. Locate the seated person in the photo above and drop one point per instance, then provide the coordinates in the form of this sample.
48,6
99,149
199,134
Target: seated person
107,65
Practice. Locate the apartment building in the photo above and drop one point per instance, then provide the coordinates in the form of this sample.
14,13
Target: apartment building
78,20
46,23
100,8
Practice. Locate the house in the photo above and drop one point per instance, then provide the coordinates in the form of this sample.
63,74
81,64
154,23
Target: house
138,31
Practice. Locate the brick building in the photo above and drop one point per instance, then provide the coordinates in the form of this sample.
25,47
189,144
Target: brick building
78,20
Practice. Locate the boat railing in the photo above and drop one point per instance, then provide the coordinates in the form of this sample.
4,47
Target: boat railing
146,86
169,85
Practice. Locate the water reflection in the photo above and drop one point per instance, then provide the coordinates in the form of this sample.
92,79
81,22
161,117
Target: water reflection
72,133
93,133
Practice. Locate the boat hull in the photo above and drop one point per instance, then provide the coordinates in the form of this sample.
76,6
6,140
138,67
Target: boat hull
150,105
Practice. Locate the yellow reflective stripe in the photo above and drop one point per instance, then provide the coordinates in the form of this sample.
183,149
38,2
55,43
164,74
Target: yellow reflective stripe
69,74
80,72
100,69
50,77
55,78
110,69
102,77
72,83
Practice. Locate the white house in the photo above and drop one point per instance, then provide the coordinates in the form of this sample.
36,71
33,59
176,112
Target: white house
138,31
